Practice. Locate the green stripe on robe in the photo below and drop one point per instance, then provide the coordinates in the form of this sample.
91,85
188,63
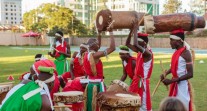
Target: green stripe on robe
90,94
16,102
62,64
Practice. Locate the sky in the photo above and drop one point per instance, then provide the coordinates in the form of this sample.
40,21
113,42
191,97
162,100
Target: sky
28,5
32,4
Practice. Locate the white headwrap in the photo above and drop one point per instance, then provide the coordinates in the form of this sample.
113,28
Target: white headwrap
184,42
40,58
57,34
123,51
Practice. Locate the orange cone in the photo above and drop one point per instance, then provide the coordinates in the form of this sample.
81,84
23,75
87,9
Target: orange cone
10,78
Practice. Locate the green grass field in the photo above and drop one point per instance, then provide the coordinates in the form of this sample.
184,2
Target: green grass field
15,61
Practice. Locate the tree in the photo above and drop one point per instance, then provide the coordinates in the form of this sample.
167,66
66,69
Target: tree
52,18
197,7
172,6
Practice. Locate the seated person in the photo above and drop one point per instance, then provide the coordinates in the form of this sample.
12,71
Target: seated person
20,98
76,66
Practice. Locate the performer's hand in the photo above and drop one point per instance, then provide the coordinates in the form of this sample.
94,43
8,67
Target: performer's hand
49,53
162,77
167,81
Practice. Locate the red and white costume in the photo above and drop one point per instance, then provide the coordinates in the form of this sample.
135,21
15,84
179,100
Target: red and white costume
128,67
88,70
181,89
77,69
141,81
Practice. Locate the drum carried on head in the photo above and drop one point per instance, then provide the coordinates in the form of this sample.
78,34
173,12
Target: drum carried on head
152,24
119,101
4,89
68,100
117,85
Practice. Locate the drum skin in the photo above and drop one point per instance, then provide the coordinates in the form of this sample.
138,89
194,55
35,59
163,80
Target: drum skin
117,86
68,97
110,101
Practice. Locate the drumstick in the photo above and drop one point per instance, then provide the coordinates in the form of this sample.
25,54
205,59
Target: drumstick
111,23
55,49
96,27
163,71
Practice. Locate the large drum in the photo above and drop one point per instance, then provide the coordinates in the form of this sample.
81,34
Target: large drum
71,100
119,101
117,86
153,24
167,23
122,19
68,97
4,89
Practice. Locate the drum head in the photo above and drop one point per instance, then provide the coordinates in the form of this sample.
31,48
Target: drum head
102,19
68,97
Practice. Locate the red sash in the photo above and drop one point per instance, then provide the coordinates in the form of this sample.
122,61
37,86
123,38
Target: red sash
77,68
88,71
73,85
138,78
128,68
61,49
174,68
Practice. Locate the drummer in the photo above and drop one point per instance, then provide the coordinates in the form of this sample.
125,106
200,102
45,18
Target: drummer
76,66
144,65
20,98
93,66
35,72
128,62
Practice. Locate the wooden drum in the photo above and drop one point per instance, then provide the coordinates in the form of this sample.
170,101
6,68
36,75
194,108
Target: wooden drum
119,101
153,24
117,85
167,23
4,89
68,97
122,19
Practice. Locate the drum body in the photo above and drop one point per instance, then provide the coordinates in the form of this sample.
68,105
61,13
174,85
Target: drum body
119,101
153,24
167,23
117,86
4,89
68,97
73,100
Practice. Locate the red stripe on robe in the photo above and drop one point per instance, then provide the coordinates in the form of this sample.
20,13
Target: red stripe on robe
174,67
128,68
139,73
